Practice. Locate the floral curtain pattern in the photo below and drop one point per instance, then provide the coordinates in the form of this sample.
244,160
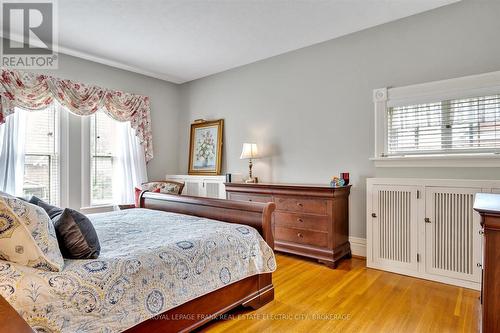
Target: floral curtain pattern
35,92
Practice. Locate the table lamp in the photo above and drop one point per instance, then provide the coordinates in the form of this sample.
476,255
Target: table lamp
249,152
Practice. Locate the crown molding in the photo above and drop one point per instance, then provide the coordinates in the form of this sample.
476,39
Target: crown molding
106,61
120,65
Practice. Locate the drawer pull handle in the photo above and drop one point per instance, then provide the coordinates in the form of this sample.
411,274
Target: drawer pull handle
300,204
250,200
300,235
300,220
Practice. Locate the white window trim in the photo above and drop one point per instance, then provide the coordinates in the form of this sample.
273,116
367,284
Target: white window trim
86,206
463,87
98,209
63,156
62,143
86,182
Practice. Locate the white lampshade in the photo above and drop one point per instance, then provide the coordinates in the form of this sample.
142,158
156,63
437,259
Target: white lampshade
249,151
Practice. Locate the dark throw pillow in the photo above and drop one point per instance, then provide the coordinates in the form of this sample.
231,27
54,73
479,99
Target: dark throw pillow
52,211
76,235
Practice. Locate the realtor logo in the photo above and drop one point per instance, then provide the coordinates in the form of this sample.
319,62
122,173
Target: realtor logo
29,35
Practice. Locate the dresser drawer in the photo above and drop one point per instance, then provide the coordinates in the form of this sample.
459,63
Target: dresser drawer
300,205
302,236
302,221
250,197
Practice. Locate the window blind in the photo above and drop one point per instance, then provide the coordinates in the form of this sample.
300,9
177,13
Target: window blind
469,125
41,162
102,143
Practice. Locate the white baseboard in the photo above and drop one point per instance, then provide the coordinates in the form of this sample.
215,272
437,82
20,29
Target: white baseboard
358,246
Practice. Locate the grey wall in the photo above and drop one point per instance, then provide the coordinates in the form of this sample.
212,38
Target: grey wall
311,110
165,109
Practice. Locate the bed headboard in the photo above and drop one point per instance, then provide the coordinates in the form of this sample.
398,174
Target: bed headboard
256,215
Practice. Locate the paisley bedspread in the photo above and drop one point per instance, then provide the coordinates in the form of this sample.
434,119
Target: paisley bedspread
150,261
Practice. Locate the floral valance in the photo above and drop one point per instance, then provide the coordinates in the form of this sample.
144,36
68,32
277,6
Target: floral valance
36,91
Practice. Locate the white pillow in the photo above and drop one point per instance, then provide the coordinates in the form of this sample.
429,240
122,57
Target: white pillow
27,235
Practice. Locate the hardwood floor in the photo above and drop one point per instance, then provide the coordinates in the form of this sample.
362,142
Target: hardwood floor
313,298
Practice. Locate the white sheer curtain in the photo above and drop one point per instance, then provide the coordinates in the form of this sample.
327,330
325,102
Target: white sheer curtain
12,139
129,165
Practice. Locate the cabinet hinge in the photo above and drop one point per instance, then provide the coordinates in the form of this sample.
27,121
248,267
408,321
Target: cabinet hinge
418,257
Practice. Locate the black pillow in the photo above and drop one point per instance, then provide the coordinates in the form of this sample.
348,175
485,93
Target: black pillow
75,233
52,211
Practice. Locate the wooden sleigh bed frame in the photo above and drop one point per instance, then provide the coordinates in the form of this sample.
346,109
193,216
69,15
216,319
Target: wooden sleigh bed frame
253,291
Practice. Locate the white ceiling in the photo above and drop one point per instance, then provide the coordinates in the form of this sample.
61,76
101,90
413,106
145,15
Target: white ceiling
182,40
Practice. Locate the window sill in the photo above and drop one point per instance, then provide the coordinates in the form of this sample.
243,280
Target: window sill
443,161
97,209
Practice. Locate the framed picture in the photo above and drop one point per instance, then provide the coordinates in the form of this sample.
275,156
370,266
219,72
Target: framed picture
205,148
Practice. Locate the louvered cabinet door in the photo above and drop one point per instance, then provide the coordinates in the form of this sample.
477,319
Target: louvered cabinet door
452,239
192,188
213,189
394,226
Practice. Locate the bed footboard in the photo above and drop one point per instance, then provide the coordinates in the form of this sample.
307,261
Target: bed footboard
10,320
254,214
254,291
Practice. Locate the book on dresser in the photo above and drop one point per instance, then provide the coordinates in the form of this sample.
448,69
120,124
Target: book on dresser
309,220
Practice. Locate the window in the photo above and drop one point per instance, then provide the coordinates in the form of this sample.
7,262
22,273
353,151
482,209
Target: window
41,163
102,147
448,123
451,126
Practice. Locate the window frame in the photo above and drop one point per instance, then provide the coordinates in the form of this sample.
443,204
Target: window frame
86,177
111,158
86,181
62,148
431,92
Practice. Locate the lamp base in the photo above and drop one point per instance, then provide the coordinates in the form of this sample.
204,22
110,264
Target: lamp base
252,180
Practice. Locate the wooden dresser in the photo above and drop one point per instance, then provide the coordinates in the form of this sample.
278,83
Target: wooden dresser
309,220
488,205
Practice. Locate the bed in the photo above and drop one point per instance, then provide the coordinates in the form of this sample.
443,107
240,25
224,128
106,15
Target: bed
170,266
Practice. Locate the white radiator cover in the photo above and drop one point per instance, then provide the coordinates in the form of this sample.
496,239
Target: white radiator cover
426,228
204,186
395,214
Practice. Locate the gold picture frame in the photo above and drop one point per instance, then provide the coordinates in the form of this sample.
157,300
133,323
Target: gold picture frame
205,147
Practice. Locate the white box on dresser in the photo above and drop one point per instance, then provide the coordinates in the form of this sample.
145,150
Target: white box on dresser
204,186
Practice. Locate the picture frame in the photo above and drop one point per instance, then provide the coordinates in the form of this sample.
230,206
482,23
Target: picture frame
205,147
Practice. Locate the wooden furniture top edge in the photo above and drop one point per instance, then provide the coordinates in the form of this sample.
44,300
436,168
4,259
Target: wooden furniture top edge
291,189
491,221
287,185
202,201
255,214
487,203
